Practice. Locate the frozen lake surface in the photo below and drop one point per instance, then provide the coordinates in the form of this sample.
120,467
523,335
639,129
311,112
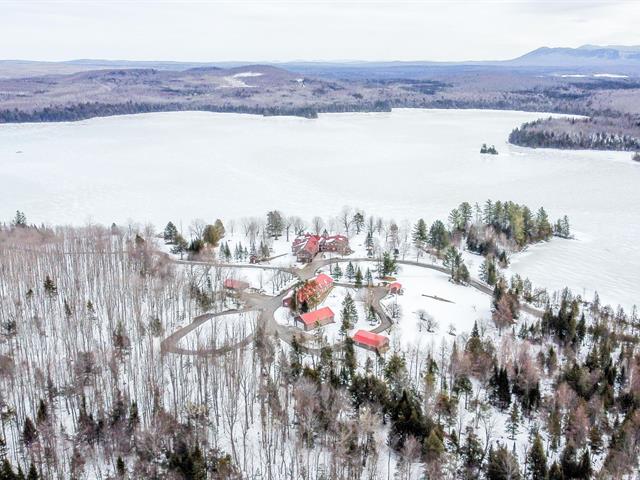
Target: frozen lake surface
405,164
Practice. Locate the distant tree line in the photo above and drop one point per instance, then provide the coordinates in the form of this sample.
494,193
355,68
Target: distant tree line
86,110
619,133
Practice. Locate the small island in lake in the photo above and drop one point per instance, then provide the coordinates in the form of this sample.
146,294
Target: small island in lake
488,150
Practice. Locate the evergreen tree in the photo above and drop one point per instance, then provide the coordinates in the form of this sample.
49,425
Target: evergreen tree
275,224
501,388
358,221
350,272
555,472
369,243
121,469
199,465
33,473
455,220
134,418
513,422
358,282
369,277
20,220
179,245
42,414
543,226
350,360
170,233
420,235
389,266
466,214
585,468
472,453
433,446
438,236
488,271
50,287
337,272
349,312
502,465
6,471
29,432
537,460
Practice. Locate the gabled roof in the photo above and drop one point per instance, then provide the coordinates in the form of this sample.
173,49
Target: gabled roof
312,245
323,281
335,238
370,338
319,315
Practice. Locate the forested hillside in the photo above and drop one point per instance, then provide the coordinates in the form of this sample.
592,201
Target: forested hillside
545,387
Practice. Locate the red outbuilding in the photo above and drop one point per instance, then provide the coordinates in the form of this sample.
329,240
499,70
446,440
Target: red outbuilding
235,285
395,287
371,341
317,318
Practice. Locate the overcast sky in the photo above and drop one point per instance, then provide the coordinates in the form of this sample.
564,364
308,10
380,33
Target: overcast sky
307,30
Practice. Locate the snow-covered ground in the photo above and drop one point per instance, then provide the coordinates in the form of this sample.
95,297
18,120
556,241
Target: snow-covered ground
217,331
454,308
417,163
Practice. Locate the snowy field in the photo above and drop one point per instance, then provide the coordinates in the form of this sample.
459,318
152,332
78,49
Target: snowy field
180,166
453,307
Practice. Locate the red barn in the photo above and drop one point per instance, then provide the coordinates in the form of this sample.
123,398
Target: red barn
371,341
317,318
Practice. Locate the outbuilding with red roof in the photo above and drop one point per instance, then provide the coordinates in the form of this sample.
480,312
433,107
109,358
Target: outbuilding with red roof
317,318
371,341
235,285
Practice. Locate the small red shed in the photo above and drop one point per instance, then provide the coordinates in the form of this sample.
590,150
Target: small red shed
395,287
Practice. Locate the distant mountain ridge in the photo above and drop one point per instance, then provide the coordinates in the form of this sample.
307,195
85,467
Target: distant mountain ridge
615,58
584,56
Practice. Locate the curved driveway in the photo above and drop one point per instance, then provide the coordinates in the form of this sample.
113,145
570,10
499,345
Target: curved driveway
267,305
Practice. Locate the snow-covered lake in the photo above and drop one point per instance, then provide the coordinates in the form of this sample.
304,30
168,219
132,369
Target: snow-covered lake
404,164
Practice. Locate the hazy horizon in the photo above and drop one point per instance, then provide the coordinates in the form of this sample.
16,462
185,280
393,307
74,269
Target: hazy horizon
318,31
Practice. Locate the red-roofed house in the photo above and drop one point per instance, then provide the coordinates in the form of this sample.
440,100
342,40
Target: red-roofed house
315,289
371,341
307,246
335,243
317,318
395,287
235,285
